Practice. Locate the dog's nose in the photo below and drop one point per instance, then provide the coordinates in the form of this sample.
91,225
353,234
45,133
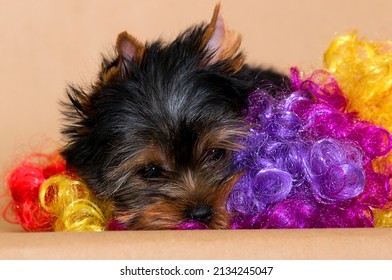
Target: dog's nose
201,213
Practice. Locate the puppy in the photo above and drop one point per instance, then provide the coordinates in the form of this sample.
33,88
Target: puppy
157,131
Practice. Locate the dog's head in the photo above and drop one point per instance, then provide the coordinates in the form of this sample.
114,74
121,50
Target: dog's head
156,132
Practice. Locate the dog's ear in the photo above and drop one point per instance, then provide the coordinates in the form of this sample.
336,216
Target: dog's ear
129,51
222,43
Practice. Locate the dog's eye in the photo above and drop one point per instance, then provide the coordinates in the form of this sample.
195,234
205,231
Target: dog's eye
216,154
150,172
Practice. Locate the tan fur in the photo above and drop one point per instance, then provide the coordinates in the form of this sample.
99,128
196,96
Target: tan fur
168,215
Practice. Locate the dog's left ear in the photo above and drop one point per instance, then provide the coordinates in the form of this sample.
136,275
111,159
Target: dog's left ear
222,43
129,50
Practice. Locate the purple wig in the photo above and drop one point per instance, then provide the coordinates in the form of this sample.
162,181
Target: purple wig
308,160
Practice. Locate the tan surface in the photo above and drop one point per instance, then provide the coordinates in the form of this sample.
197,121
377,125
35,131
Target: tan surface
45,44
268,244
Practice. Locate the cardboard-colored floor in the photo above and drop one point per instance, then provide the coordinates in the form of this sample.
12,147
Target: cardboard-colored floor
358,244
46,44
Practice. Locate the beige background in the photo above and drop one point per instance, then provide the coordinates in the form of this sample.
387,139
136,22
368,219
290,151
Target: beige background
45,44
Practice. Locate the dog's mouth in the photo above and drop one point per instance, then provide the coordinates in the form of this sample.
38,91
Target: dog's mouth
218,221
191,225
188,225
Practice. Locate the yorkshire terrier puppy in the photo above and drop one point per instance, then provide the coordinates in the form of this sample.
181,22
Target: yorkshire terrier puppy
156,132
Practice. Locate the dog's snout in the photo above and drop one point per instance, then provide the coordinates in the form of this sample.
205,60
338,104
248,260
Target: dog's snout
201,213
